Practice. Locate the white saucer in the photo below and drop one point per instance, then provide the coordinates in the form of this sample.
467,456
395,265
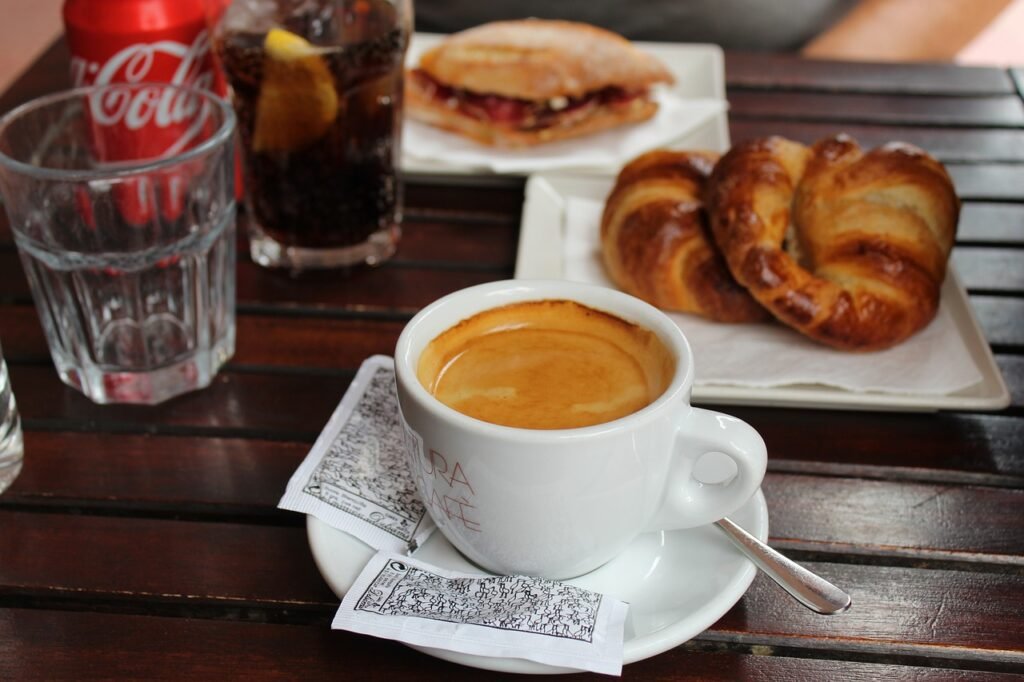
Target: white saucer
677,583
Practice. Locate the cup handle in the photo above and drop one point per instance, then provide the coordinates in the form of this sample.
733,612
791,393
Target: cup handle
689,502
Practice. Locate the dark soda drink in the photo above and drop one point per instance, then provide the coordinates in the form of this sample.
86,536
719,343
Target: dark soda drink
319,102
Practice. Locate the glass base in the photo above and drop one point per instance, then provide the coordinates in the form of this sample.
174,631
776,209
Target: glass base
9,470
270,253
150,387
12,445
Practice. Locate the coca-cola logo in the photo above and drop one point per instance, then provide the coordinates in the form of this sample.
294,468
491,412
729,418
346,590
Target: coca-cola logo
144,106
136,63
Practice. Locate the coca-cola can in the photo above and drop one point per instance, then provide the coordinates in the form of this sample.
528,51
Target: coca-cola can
130,41
134,41
137,41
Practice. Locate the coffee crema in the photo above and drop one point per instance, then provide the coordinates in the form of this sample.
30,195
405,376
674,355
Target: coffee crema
550,364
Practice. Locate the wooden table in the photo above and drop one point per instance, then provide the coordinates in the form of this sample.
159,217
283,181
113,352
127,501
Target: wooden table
145,543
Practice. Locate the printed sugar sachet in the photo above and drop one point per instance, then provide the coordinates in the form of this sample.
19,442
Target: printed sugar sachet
400,598
356,478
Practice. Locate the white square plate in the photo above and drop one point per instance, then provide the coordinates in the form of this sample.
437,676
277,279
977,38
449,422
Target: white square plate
540,257
699,71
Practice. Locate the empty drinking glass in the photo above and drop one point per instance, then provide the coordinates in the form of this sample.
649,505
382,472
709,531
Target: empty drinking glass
121,201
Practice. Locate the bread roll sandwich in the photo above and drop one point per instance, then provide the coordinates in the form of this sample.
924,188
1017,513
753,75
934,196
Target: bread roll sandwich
532,81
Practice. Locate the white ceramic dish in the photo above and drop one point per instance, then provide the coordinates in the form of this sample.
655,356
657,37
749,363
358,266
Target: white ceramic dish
677,583
540,256
699,71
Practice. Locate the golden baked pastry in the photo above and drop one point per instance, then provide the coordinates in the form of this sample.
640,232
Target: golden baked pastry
847,247
655,240
520,83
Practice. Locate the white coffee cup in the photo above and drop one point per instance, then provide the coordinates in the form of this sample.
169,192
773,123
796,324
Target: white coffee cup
559,503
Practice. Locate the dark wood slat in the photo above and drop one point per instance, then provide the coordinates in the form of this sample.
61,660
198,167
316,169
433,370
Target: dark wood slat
254,399
1001,318
298,405
22,336
343,344
314,343
1000,111
186,475
239,476
265,340
214,563
387,288
990,268
813,513
290,405
991,222
401,288
789,71
944,447
467,195
935,613
159,560
435,239
492,245
990,181
13,285
439,233
205,649
881,518
261,339
946,144
442,237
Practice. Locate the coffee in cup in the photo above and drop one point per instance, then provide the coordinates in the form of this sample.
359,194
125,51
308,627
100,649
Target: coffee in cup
551,364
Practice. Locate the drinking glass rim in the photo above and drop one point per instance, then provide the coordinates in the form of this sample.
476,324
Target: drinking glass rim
124,168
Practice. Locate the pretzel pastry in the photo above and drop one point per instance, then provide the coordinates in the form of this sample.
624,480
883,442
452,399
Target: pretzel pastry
847,247
519,83
656,244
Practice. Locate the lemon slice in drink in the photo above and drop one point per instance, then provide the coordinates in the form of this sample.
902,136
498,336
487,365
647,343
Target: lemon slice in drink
297,102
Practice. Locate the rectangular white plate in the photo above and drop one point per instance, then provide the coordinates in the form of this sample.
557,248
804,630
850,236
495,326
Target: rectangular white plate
699,71
540,257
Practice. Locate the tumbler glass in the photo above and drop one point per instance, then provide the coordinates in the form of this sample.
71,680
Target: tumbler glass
11,448
121,201
317,86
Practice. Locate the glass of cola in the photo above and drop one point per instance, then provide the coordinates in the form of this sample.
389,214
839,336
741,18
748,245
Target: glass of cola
317,87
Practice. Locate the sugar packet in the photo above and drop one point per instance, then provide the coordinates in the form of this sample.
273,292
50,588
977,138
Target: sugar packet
397,597
356,477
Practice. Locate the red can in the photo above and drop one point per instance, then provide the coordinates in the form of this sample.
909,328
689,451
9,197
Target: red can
136,41
130,41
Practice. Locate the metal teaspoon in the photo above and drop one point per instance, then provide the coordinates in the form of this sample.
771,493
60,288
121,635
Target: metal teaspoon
809,589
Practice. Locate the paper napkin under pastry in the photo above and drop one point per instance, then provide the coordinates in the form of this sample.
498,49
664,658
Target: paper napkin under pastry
606,150
935,361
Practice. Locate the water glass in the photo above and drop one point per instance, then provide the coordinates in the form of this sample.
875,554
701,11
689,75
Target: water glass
121,200
11,449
